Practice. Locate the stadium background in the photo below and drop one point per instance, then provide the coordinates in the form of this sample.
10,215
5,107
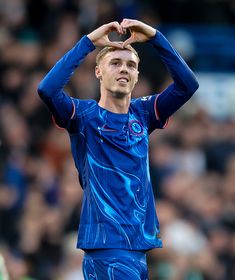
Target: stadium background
192,161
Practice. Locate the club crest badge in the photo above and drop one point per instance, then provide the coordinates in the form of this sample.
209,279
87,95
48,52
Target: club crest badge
136,127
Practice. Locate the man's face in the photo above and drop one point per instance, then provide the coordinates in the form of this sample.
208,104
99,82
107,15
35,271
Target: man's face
118,72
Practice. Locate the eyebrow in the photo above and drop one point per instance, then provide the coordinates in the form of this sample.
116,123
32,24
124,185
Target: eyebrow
119,59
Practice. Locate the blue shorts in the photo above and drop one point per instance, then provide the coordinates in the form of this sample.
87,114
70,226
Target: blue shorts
115,264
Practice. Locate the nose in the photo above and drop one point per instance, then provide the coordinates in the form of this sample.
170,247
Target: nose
123,68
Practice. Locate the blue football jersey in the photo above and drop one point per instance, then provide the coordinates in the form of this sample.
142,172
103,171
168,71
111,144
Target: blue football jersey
110,150
111,154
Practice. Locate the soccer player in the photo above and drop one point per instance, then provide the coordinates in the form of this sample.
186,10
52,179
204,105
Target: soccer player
109,143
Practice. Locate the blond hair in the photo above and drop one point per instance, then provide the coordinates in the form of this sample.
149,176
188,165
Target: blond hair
108,49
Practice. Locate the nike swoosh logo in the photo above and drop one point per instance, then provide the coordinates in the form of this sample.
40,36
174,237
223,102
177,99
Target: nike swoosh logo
106,128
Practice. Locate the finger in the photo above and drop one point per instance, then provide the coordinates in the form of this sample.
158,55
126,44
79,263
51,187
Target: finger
115,26
127,23
124,30
118,45
128,41
124,21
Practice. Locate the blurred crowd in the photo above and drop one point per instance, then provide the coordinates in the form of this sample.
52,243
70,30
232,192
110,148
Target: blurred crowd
192,161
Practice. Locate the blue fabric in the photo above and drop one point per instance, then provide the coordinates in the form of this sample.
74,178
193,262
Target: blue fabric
111,154
111,150
51,87
184,81
115,265
169,101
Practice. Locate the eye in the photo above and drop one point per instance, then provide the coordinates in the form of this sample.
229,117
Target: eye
115,63
132,65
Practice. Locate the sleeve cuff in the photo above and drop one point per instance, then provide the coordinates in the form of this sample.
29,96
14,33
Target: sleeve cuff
157,39
88,42
154,38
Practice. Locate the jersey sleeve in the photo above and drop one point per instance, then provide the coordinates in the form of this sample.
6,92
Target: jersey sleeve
146,109
51,88
80,115
153,119
184,79
180,91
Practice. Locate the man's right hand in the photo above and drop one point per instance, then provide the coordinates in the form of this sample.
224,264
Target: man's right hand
99,36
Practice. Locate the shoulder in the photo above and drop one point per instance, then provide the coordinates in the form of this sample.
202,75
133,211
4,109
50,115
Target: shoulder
83,106
141,103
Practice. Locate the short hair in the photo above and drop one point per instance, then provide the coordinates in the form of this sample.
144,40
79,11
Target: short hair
108,49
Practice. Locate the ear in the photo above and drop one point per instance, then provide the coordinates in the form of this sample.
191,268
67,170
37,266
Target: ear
98,73
137,77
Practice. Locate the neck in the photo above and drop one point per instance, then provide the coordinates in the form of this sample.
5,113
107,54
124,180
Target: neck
115,102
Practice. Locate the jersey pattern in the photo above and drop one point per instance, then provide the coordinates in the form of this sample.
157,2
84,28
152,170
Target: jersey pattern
111,154
111,150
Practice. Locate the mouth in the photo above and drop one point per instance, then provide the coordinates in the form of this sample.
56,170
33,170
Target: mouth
123,80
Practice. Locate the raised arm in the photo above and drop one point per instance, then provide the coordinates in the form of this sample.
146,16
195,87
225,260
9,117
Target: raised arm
51,87
185,82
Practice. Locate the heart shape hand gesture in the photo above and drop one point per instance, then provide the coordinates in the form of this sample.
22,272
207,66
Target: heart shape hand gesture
140,32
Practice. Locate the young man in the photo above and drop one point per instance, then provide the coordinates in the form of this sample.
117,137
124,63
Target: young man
109,142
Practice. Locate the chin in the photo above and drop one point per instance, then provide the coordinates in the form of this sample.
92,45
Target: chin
121,93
